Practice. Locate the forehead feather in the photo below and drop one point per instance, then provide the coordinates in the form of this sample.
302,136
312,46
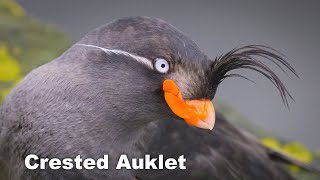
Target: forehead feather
146,37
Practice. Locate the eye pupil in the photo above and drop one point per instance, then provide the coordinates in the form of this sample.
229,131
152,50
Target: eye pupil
163,65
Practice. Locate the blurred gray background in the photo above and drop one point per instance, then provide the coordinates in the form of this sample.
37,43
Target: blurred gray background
218,26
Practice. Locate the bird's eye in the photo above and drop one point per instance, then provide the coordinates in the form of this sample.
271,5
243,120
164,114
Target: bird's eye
161,65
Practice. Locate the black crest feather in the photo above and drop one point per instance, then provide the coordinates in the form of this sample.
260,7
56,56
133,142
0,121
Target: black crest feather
247,58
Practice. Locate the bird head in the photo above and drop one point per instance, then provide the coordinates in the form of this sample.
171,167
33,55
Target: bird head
158,70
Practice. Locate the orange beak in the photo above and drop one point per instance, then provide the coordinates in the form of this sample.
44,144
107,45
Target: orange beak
199,113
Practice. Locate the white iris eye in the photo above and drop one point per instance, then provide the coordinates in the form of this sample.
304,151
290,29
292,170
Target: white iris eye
162,65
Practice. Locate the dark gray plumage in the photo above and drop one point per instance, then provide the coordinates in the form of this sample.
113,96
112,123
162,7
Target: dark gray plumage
91,103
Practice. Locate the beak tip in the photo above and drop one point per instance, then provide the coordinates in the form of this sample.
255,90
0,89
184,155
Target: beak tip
210,126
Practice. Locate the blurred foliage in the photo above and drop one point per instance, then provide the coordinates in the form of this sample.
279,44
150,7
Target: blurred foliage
272,140
9,71
25,44
293,149
10,7
9,68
